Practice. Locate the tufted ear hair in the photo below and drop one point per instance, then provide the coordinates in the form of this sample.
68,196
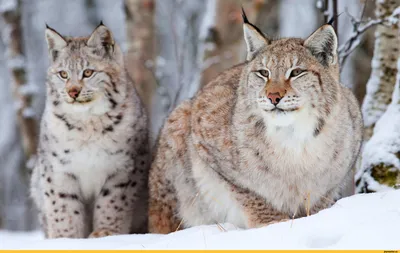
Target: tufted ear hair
55,42
323,45
102,37
255,39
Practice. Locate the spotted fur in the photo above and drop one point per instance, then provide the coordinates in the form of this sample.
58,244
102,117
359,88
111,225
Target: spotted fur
91,174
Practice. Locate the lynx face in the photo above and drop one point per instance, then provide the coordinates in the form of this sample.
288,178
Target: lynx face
81,69
281,85
78,81
284,77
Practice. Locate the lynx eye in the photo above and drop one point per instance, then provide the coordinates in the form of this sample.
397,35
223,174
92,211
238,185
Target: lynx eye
264,72
87,73
63,74
296,72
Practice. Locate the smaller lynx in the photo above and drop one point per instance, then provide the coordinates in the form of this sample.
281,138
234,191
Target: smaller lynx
93,155
259,139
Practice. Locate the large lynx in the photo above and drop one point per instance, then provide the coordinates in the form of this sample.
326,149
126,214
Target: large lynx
257,141
93,157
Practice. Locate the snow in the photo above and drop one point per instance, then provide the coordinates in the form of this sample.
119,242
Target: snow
363,221
7,5
28,113
319,4
16,62
396,12
29,89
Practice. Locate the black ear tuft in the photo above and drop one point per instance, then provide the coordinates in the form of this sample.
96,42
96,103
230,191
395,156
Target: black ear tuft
255,39
245,20
101,23
333,19
330,22
47,26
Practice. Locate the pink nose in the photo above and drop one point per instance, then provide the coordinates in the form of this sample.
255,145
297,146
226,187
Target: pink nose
73,92
274,97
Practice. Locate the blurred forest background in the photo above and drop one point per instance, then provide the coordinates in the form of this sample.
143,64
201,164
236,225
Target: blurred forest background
172,48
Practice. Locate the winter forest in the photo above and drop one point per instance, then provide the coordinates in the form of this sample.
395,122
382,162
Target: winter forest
174,47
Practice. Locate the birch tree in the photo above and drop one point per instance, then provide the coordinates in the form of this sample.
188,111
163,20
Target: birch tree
181,30
380,160
380,167
23,95
22,92
383,75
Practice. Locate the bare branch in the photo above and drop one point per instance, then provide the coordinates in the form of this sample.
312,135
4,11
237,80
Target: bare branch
359,27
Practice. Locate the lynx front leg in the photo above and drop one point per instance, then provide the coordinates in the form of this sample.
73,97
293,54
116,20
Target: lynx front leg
162,213
259,213
64,213
162,203
114,206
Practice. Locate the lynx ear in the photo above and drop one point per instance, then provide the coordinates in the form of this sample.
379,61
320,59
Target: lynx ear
55,42
101,38
255,39
323,45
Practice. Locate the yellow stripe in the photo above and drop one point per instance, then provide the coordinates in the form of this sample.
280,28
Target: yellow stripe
216,251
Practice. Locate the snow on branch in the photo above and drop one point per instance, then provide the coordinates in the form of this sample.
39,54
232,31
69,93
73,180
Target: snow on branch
359,27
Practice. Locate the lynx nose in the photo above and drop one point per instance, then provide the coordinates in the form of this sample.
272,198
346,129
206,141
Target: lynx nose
274,97
74,91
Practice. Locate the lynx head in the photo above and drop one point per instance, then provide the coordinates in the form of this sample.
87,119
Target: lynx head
83,71
290,78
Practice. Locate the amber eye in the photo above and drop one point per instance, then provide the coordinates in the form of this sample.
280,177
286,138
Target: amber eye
63,74
87,73
264,72
296,72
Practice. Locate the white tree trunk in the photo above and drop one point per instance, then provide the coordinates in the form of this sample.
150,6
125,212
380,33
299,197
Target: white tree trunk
383,75
298,18
23,96
181,49
380,167
380,160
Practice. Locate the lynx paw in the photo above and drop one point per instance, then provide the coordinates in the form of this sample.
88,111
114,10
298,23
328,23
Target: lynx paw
101,233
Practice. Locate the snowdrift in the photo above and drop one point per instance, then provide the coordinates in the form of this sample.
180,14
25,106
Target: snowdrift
364,221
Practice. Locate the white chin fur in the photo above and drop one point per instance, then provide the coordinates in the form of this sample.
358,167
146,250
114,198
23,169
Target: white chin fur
98,106
297,124
300,117
282,119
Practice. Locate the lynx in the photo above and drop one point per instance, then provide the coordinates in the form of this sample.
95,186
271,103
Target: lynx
259,140
93,156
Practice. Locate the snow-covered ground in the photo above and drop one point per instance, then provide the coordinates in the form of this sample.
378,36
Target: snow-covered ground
365,221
